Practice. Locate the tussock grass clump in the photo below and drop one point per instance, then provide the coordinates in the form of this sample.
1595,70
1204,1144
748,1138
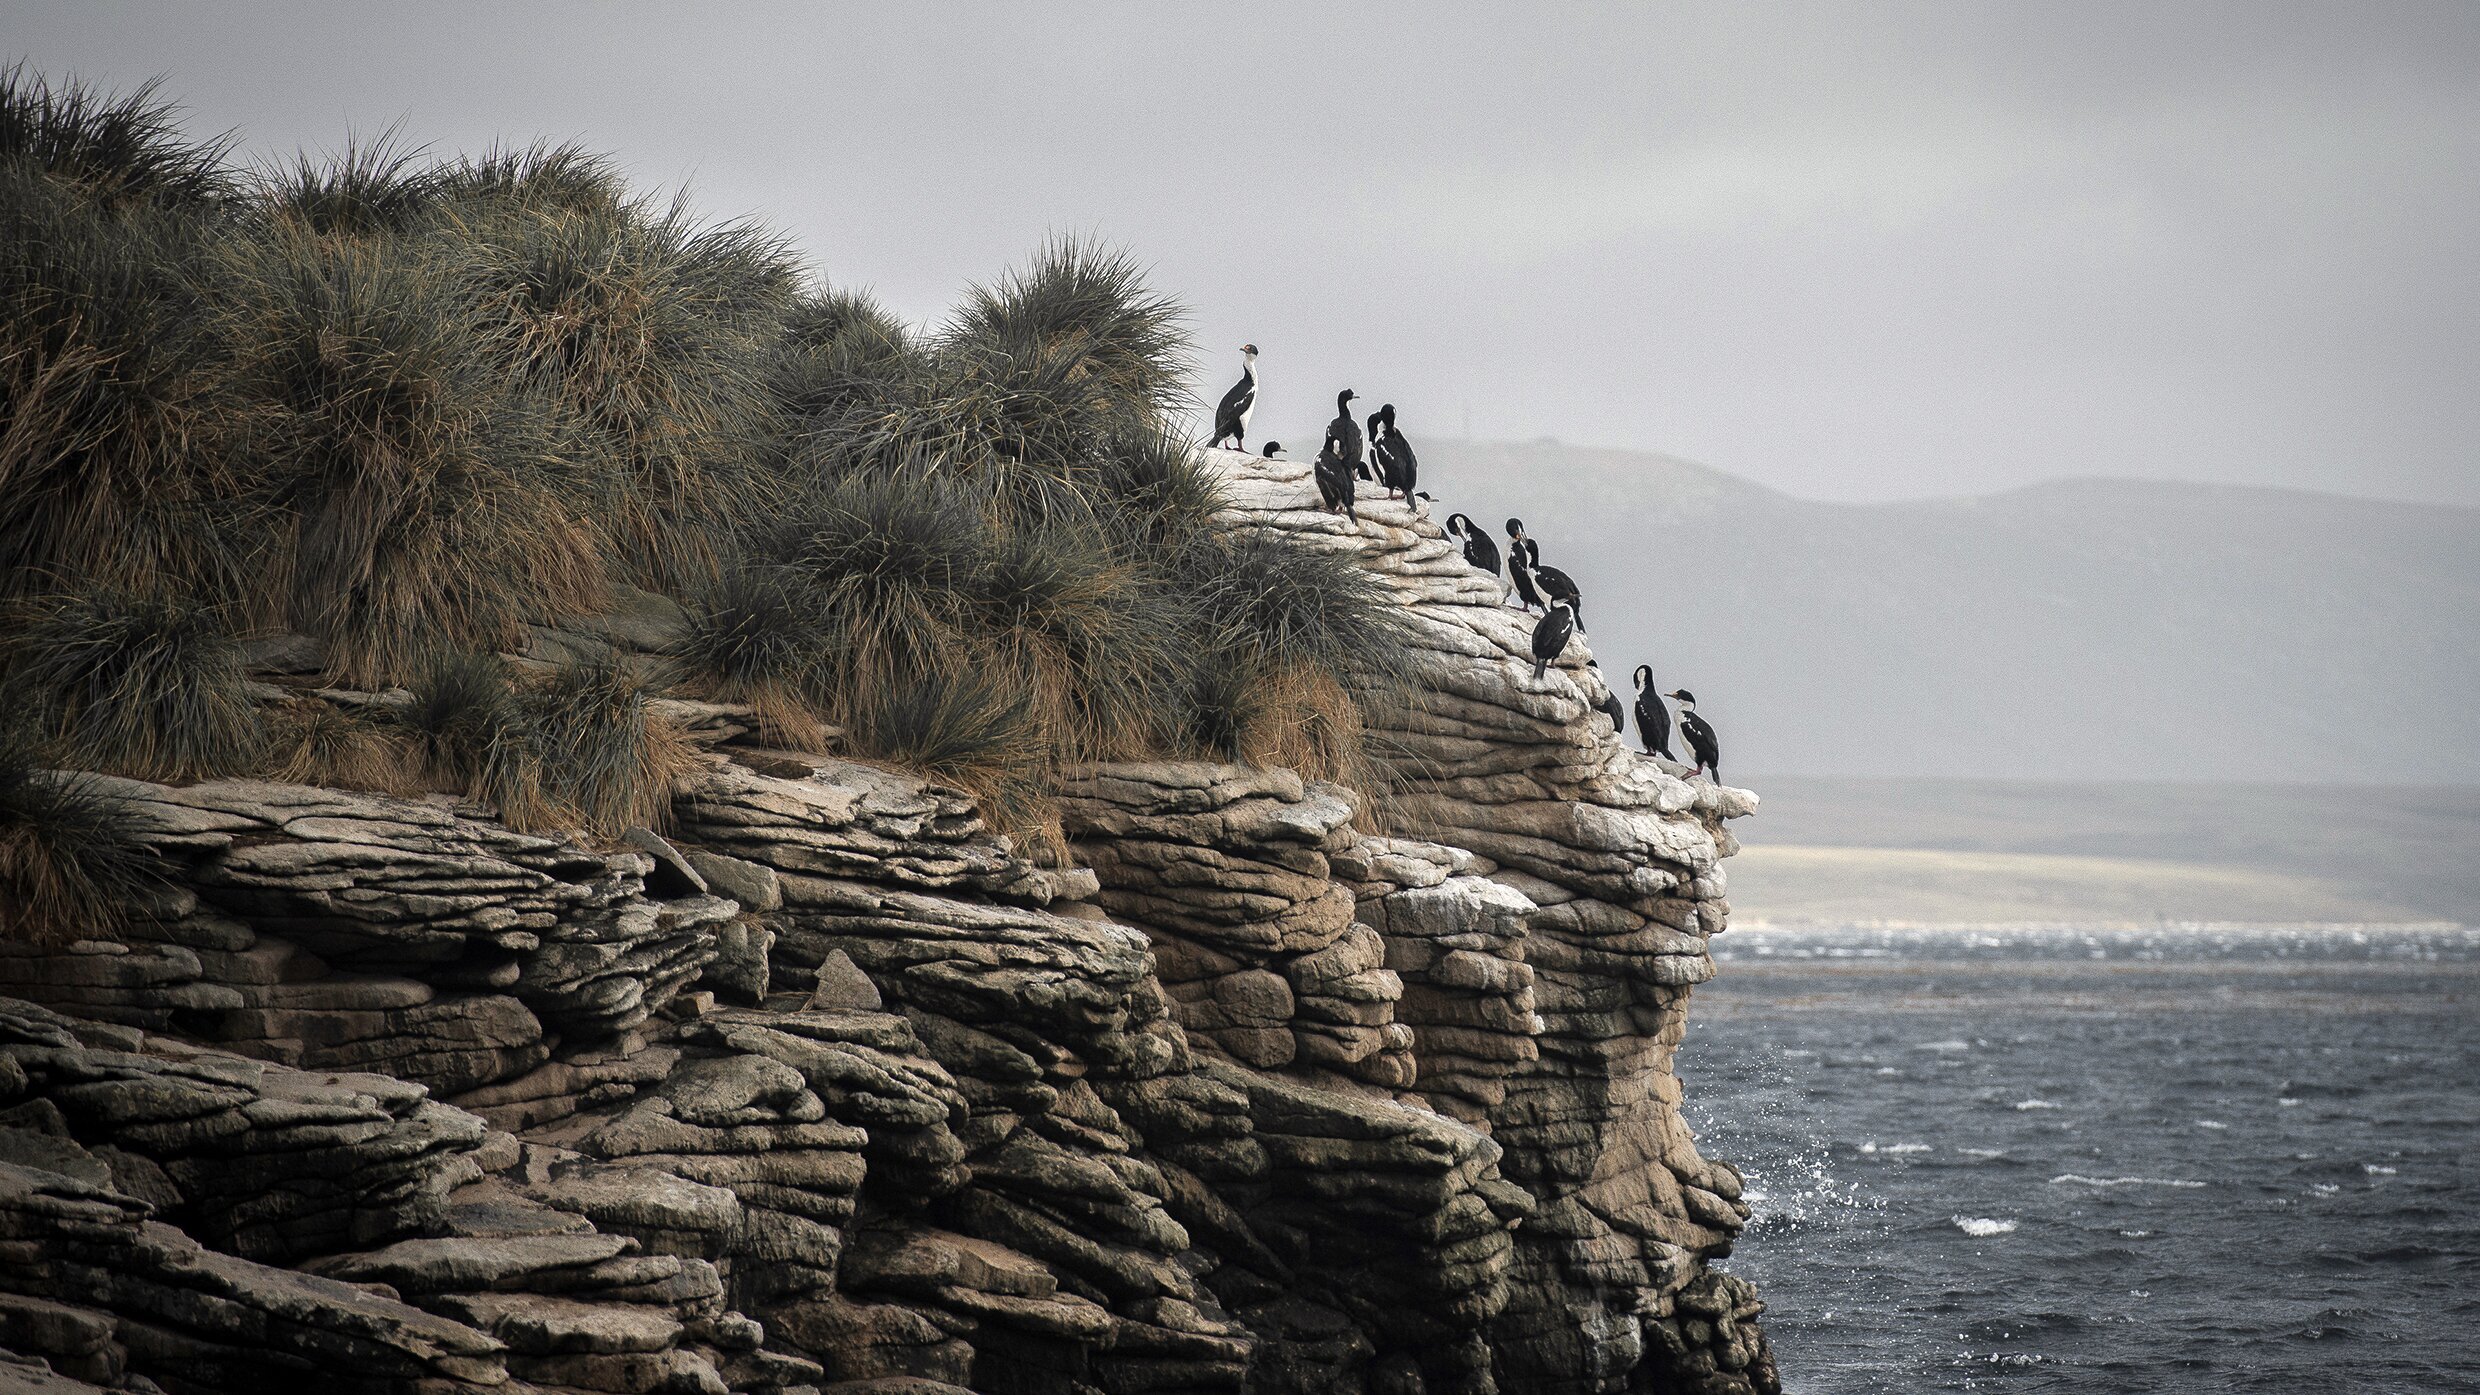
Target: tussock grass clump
367,190
423,502
318,743
647,330
1304,637
116,152
609,760
542,177
1087,306
577,749
896,577
103,410
972,728
139,685
839,350
73,860
472,732
754,639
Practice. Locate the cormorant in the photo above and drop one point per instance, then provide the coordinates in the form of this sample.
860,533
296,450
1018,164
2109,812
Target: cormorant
1376,429
1609,702
1398,468
1343,436
1554,584
1653,720
1232,417
1558,625
1520,567
1334,481
1272,447
1478,548
1702,743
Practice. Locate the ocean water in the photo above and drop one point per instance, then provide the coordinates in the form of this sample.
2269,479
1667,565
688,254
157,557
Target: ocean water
2185,1159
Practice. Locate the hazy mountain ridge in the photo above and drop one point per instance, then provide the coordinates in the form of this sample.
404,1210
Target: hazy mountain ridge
2074,629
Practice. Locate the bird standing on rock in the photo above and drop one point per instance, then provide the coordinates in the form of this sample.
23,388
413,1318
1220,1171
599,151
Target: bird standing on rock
1232,417
1478,548
1702,743
1653,720
1558,625
1272,447
1398,469
1554,584
1343,435
1334,481
1608,702
1520,567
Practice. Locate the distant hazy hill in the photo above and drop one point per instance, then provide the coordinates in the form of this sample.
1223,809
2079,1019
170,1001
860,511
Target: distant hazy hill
2083,629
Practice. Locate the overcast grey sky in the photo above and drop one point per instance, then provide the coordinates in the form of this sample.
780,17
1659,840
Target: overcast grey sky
1853,253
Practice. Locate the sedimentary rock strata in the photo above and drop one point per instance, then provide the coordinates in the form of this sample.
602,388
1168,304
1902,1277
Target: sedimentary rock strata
1278,1086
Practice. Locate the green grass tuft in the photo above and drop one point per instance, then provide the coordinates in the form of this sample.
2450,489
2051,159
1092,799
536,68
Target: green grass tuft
73,861
651,333
116,152
472,731
366,190
609,759
424,502
103,407
145,686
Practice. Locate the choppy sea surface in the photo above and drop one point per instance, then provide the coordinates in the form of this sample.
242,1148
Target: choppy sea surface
2184,1159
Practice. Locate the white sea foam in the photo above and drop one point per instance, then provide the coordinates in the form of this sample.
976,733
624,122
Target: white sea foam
2324,1188
2288,1103
2035,1104
2080,1180
1981,1227
2137,1235
2376,1169
1875,1147
1982,1152
1949,1045
2211,1124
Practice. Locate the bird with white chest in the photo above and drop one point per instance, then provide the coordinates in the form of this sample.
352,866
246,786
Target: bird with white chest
1699,734
1231,418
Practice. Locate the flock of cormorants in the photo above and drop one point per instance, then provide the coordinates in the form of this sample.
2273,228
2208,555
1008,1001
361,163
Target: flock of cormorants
1382,455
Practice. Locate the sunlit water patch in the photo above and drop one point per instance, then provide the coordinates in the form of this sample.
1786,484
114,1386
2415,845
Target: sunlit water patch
2175,1159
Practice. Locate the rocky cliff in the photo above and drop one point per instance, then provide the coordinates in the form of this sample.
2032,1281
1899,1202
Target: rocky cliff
1267,1089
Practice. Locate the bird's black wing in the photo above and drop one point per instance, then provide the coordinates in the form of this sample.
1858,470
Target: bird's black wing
1653,725
1236,401
1481,552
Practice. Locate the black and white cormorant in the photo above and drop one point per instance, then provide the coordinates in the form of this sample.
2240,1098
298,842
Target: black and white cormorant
1520,567
1272,447
1334,481
1398,469
1232,417
1555,585
1699,735
1653,720
1478,548
1343,436
1558,625
1609,702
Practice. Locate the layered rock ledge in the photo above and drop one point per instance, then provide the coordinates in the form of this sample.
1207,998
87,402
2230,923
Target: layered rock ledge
1278,1087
